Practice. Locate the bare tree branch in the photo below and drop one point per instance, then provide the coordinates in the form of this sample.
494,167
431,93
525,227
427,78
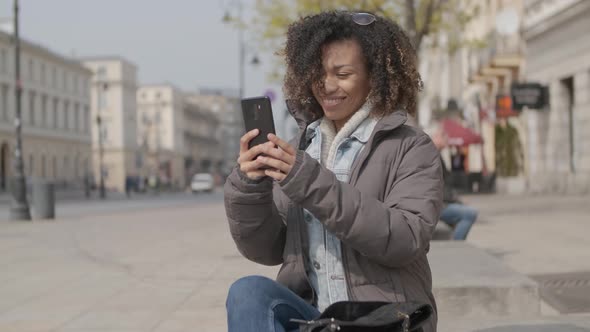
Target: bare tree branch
411,20
430,9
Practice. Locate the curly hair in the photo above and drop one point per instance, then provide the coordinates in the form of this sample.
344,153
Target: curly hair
390,57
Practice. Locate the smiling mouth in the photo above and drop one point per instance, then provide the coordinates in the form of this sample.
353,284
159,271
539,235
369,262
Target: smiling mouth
333,101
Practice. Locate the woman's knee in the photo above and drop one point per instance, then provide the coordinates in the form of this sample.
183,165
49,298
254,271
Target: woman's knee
470,213
248,290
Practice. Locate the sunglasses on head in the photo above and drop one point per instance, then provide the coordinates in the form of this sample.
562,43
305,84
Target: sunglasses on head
363,18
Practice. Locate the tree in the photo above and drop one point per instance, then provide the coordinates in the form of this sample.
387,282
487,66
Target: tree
420,18
509,155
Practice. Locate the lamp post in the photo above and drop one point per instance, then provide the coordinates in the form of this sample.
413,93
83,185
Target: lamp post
101,191
101,87
227,18
19,209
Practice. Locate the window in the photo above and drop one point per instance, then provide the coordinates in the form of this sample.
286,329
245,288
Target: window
31,70
42,73
105,133
86,119
75,83
102,98
101,73
32,108
3,61
66,165
66,115
83,86
54,166
85,169
76,163
76,117
4,103
54,77
44,111
63,80
55,115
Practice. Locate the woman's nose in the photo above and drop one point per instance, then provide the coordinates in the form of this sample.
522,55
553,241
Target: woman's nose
330,85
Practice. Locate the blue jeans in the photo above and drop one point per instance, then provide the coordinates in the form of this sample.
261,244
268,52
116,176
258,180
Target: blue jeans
459,216
259,304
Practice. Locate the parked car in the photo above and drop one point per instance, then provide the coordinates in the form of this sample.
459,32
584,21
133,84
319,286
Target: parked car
202,182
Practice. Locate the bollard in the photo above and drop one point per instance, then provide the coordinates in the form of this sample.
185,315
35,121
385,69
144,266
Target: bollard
44,199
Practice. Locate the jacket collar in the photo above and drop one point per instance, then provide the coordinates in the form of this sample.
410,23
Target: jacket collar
302,118
392,121
387,123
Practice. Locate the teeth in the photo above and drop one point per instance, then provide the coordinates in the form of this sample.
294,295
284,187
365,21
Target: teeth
333,101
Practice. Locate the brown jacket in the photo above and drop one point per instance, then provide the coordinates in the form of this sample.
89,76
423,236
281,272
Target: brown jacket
384,216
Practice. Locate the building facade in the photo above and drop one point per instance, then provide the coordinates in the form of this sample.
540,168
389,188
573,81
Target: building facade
228,111
202,142
470,80
55,114
558,56
113,101
160,123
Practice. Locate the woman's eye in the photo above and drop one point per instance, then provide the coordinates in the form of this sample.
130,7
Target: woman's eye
343,75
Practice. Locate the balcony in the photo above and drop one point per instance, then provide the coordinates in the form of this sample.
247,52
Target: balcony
502,58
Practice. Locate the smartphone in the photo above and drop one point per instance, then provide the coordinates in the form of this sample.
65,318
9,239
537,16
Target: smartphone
257,113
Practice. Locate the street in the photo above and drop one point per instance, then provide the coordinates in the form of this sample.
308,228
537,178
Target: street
165,263
118,202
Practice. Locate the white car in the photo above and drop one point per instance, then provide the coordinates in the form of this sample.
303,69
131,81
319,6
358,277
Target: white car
202,182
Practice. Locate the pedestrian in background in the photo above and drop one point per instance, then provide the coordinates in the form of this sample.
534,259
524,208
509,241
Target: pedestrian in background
457,215
348,207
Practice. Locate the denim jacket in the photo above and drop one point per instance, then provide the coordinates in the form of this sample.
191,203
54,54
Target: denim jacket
324,267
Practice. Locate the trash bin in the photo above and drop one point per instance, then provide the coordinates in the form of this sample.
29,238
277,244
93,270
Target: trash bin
44,199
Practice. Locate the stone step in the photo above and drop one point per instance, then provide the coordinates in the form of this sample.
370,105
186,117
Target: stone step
571,323
469,282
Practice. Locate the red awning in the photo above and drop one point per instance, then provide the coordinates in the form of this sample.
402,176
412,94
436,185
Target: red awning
459,135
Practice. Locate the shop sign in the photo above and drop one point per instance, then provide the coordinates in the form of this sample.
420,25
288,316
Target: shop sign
530,95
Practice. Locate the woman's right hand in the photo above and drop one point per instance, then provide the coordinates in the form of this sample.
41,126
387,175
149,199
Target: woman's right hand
249,165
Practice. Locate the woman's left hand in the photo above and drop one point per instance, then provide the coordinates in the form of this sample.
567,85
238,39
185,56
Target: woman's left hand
281,159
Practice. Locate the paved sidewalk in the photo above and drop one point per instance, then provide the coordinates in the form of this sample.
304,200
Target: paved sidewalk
534,234
167,269
154,270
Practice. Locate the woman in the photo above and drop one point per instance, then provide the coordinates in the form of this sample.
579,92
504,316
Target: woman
349,207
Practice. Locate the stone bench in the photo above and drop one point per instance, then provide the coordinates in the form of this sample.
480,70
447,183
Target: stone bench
442,232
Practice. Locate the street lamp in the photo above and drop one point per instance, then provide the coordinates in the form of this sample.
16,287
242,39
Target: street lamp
19,209
227,18
101,87
101,190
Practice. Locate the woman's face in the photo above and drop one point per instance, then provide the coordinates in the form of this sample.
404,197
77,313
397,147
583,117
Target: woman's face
345,84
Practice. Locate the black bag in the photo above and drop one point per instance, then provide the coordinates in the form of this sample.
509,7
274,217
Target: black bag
349,316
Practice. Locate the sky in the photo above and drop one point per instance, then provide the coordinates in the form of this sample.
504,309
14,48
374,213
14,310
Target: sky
184,42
